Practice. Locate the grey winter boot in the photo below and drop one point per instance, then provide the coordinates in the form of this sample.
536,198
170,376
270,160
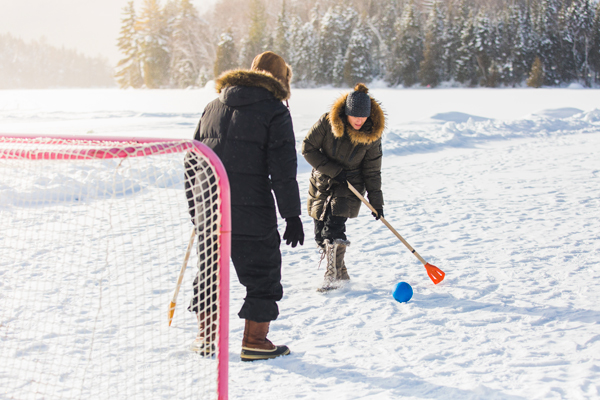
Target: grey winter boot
340,265
331,273
336,270
205,341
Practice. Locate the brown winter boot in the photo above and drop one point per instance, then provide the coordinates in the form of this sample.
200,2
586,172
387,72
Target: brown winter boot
256,346
205,342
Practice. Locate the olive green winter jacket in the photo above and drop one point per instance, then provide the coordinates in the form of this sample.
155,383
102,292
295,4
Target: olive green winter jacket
331,145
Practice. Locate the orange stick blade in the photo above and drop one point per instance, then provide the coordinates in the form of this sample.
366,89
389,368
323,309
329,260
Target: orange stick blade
171,312
436,274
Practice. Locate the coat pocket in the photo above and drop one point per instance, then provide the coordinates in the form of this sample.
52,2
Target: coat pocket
322,182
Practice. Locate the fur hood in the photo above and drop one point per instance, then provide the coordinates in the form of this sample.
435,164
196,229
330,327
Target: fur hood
245,77
371,131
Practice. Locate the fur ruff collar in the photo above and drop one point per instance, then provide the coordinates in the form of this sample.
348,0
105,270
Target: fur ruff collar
369,133
245,77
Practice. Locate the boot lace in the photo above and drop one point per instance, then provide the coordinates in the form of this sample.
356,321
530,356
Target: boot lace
322,255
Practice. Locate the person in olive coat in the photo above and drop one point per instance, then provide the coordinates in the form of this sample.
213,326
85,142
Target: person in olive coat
250,128
343,146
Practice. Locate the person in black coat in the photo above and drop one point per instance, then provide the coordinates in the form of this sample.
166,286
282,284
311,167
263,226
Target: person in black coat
251,130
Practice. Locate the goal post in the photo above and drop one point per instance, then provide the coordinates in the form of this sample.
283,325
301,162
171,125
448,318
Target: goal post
94,233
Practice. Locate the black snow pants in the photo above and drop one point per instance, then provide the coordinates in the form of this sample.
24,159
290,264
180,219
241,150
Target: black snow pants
331,228
257,262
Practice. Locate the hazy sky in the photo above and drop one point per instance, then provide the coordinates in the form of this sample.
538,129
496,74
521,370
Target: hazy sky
89,26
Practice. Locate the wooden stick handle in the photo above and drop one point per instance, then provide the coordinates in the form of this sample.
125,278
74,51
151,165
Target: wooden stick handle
180,278
185,261
408,246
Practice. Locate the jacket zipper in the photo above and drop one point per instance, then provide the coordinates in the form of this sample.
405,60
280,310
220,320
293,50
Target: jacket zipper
354,151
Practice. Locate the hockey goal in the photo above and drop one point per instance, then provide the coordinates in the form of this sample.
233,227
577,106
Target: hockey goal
93,237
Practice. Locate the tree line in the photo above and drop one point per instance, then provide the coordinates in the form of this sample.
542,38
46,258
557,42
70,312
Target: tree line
401,42
38,65
166,46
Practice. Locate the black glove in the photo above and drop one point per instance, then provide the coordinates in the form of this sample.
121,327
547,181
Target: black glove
379,213
294,233
341,178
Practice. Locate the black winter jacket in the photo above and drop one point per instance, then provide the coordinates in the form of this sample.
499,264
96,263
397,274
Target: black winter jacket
251,131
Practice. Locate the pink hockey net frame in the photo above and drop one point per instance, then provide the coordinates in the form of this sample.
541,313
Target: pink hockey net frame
137,147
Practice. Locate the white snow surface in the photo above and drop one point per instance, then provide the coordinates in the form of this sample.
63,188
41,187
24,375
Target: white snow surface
499,188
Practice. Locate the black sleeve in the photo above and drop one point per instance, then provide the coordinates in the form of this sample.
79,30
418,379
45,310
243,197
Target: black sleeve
283,163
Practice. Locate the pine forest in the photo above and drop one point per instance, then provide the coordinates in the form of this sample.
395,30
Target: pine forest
466,43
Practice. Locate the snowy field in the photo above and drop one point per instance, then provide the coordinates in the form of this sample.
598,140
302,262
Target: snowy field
499,188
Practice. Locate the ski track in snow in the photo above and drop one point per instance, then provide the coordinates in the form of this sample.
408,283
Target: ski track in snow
507,206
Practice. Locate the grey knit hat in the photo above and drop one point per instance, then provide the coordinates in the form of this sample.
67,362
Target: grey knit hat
358,103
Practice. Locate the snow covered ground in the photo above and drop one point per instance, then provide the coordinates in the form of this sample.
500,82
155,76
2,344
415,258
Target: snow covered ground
499,188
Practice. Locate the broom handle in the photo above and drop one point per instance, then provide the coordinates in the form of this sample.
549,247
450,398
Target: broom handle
183,267
173,302
408,246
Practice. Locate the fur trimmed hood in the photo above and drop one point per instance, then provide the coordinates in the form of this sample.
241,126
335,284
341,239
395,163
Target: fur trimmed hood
371,131
245,77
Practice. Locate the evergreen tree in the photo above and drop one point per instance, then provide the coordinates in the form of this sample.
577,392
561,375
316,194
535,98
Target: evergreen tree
348,21
502,45
524,47
431,68
456,19
549,36
578,36
303,57
594,58
154,55
349,18
378,49
385,24
466,62
128,72
483,39
226,54
170,13
512,50
189,46
358,66
281,39
330,52
255,41
408,51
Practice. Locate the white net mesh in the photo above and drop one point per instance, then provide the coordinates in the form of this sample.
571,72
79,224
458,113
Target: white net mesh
90,253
